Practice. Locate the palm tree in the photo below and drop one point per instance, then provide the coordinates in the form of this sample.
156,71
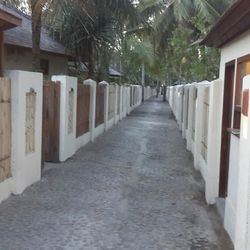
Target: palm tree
92,28
36,16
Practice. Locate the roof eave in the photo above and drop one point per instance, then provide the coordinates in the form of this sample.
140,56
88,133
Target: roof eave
9,21
234,22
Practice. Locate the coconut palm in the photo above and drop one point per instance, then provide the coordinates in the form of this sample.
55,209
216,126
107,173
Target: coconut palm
92,28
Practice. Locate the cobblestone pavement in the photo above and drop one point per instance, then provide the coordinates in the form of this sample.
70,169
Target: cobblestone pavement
134,188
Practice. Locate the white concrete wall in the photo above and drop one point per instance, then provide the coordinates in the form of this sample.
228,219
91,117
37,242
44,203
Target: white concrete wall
106,104
185,109
214,141
235,49
231,199
241,199
199,161
25,168
191,104
67,141
92,107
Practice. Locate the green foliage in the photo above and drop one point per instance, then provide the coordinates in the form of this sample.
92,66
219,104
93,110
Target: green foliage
190,62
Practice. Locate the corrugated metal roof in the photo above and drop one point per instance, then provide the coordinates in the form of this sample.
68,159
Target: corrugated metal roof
22,36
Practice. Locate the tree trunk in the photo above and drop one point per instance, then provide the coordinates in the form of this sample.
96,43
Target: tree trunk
90,60
143,74
36,8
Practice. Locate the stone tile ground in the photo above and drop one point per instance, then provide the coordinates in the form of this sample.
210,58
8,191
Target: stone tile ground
135,188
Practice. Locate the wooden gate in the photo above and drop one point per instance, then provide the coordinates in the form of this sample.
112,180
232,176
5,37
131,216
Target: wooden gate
5,129
83,105
99,115
51,121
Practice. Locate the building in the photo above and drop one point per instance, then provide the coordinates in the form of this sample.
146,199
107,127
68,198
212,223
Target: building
18,47
232,35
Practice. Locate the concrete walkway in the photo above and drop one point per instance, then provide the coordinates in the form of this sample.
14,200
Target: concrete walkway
135,188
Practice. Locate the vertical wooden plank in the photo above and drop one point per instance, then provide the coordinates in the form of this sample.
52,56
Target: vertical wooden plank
5,129
83,105
99,105
30,122
51,121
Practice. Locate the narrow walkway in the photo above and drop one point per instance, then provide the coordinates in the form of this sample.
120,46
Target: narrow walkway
135,188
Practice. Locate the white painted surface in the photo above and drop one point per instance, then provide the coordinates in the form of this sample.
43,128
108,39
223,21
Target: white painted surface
67,144
199,125
242,229
237,48
121,102
191,103
25,168
106,103
5,189
185,109
116,103
214,141
110,123
99,130
82,140
92,108
231,200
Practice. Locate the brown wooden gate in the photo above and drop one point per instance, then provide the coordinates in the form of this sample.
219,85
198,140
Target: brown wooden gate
83,105
51,121
99,114
5,129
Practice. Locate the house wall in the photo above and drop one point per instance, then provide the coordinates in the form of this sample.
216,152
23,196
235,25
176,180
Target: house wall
21,59
237,48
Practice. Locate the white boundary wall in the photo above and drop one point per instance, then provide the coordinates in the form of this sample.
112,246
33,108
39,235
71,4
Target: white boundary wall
199,161
186,103
237,206
25,167
242,227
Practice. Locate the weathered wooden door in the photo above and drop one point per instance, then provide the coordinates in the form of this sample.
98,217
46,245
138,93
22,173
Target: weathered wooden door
51,121
5,129
226,123
83,105
99,118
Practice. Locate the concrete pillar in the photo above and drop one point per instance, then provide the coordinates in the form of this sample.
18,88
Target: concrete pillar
199,122
68,106
26,161
92,85
106,104
191,116
116,102
121,102
214,141
185,109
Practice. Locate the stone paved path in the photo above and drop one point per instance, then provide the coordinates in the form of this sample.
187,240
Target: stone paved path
135,188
